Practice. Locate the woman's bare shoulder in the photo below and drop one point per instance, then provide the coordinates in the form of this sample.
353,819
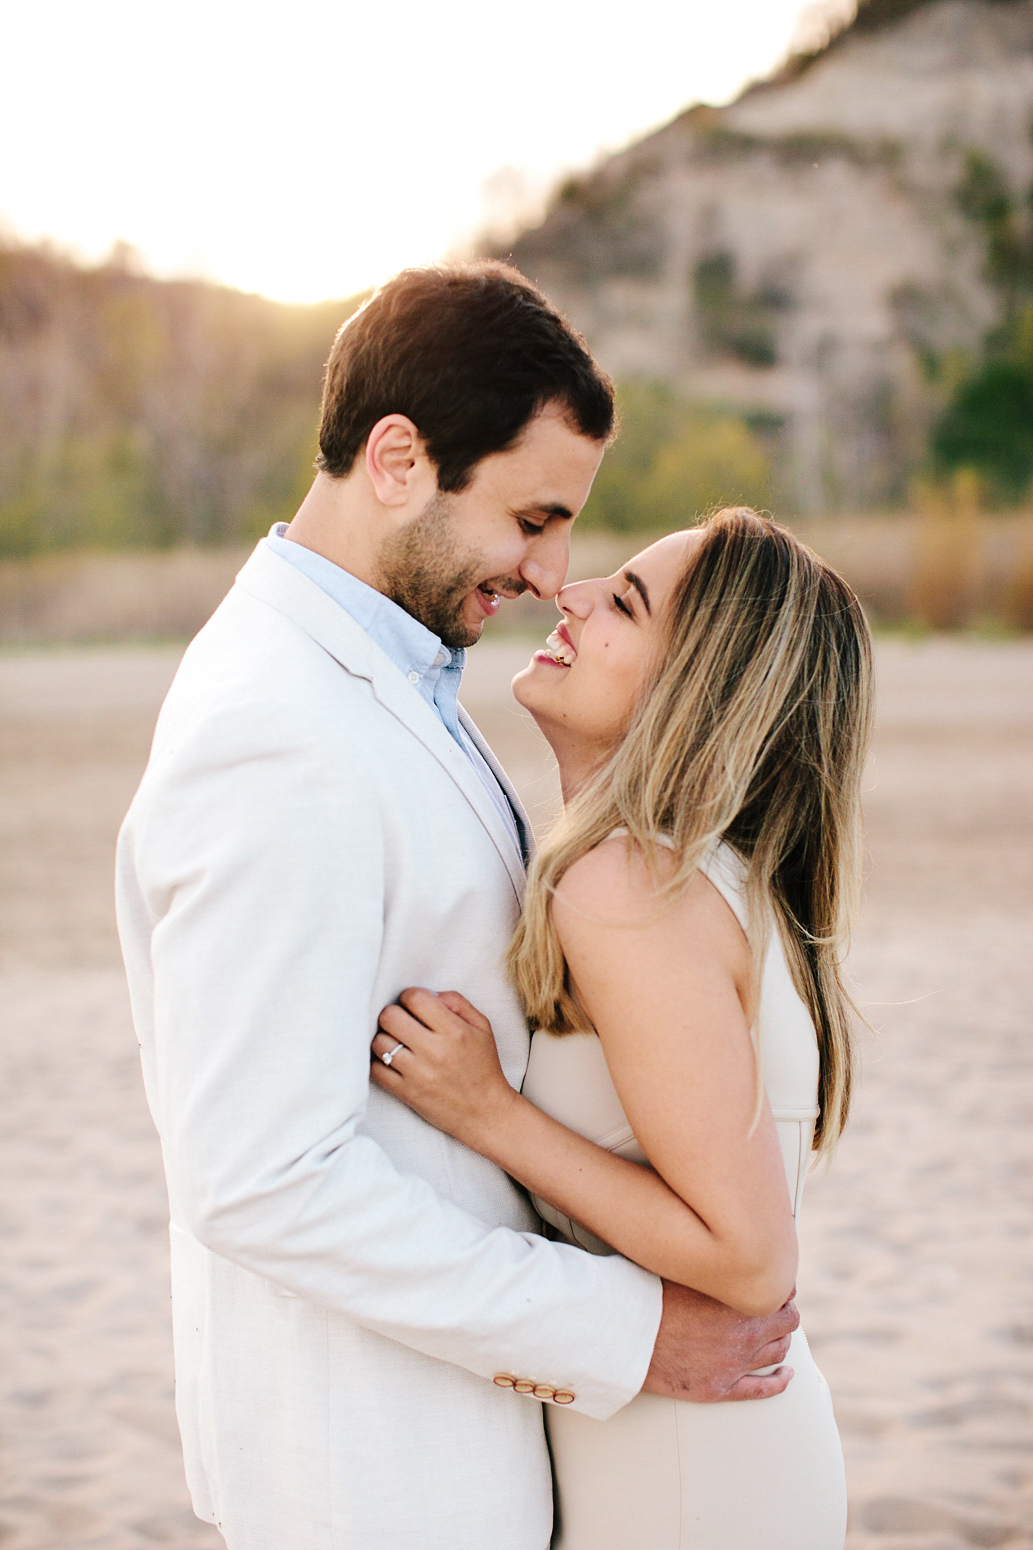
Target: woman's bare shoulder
613,883
613,886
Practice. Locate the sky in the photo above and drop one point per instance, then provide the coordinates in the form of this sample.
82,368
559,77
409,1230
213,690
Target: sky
307,150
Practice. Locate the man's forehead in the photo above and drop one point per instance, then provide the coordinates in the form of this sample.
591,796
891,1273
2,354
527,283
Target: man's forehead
545,471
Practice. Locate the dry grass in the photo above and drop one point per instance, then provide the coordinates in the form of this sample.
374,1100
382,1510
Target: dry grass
1017,603
944,567
153,595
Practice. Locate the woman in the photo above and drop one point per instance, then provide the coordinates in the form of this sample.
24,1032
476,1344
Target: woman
709,708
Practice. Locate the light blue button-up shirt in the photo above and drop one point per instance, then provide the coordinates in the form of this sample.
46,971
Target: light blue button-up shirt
435,671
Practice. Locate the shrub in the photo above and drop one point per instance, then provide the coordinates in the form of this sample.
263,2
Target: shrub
989,428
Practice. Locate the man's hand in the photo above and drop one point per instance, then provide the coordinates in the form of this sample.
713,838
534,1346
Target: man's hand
707,1352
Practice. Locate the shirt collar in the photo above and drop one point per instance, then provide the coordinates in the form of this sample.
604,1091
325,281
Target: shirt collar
409,644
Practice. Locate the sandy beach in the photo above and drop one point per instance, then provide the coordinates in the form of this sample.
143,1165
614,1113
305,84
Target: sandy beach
915,1286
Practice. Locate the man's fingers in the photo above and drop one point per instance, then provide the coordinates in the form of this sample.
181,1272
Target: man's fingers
774,1352
766,1387
783,1322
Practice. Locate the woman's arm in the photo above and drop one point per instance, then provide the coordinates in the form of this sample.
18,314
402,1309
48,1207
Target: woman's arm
666,994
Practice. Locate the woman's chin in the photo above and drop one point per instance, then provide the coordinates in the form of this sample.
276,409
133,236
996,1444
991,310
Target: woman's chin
521,687
530,691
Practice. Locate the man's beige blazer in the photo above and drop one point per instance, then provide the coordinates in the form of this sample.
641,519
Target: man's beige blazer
307,840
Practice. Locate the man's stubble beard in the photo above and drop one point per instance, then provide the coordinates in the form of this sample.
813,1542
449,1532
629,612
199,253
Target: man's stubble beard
418,571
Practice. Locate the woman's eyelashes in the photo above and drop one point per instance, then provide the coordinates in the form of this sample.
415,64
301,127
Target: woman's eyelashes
622,606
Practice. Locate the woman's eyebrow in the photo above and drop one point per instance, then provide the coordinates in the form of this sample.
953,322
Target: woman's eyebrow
640,588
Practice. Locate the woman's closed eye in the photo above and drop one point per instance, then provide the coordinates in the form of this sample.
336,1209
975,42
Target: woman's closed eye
622,606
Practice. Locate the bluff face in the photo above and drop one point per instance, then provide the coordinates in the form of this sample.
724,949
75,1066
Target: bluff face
809,254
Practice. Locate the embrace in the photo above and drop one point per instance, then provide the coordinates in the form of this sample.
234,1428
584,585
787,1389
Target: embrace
483,1163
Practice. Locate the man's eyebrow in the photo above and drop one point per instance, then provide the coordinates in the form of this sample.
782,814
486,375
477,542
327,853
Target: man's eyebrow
553,509
640,588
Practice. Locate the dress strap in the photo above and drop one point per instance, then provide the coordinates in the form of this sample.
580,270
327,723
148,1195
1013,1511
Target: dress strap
727,872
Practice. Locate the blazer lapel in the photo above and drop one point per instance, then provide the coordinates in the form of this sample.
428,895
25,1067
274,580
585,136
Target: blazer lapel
274,581
523,823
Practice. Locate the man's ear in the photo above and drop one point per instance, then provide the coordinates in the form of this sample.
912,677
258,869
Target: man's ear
396,459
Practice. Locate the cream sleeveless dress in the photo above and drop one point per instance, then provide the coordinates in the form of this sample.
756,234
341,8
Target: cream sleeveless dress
664,1474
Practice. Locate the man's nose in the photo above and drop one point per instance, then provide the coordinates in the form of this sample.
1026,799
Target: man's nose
545,567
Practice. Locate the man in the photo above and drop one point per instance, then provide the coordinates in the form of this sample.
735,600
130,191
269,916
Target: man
366,1320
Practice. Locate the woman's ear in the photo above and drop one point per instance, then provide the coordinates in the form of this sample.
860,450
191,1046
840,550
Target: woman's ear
396,459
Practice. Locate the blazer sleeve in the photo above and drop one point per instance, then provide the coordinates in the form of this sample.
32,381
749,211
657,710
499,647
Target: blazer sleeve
251,890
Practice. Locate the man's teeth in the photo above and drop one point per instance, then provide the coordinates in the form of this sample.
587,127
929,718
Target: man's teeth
560,652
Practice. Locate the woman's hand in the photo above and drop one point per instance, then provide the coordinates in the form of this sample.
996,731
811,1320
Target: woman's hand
446,1068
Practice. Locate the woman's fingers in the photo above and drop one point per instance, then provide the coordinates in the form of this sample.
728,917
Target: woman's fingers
396,1021
462,1008
384,1076
388,1049
397,1036
442,1062
430,1009
439,1012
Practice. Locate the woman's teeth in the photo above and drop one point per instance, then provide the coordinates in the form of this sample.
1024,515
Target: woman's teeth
560,652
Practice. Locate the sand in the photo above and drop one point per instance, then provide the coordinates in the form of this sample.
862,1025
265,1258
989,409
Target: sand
917,1245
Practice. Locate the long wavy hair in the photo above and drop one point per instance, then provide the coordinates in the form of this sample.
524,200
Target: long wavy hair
751,728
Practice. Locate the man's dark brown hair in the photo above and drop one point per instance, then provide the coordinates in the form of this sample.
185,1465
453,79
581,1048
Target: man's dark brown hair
469,353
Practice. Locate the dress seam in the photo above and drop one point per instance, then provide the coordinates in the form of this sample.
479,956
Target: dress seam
681,1475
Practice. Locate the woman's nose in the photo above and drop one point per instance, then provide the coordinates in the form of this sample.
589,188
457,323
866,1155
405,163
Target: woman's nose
577,598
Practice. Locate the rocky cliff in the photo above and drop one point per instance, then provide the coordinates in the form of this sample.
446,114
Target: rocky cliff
828,253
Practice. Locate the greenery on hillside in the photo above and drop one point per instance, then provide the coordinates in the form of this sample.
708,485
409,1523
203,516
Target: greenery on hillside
673,460
139,413
136,413
988,424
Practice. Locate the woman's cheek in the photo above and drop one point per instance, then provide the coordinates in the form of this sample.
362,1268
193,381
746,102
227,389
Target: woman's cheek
614,705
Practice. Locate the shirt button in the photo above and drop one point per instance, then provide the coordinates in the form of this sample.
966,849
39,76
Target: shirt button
413,678
564,1397
504,1380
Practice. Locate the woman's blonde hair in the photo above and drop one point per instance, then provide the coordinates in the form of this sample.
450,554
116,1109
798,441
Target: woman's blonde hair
752,728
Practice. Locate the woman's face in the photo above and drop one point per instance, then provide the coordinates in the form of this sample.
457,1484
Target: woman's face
581,689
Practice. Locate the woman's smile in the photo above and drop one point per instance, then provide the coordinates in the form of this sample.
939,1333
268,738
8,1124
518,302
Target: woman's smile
559,650
607,632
